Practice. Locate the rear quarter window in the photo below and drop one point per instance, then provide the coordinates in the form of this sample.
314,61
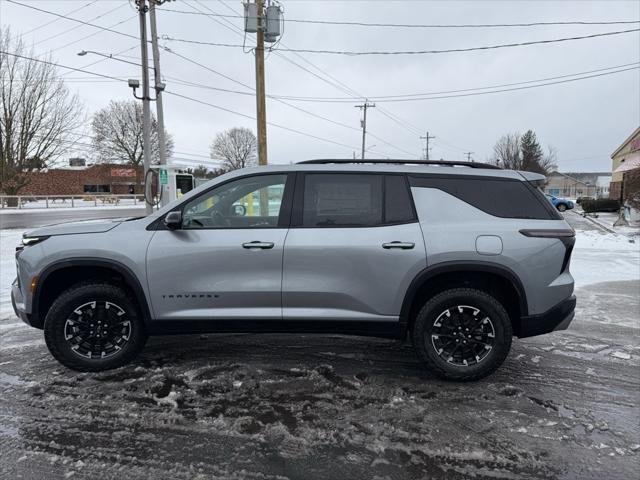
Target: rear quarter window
504,198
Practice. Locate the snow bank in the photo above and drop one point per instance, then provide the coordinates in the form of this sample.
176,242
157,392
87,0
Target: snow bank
594,240
599,257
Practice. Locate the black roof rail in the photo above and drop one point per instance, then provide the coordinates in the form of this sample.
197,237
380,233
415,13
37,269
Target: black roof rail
444,163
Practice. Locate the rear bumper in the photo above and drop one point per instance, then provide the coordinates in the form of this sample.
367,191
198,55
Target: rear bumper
557,318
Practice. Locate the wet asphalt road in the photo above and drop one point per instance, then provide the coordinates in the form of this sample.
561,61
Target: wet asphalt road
564,405
27,219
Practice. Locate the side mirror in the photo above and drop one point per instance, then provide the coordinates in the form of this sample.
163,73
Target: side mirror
239,210
173,220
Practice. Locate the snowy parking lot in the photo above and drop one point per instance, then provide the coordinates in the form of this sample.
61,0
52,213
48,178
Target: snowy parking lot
564,405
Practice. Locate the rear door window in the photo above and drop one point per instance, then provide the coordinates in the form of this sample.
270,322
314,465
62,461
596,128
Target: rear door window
345,200
355,200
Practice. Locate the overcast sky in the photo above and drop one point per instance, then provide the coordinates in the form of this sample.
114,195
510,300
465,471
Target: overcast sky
584,120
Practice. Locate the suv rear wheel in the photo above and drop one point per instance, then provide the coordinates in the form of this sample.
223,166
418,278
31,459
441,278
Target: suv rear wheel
462,334
93,327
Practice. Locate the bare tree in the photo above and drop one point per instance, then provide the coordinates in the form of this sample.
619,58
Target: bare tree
117,135
549,161
236,147
37,114
506,152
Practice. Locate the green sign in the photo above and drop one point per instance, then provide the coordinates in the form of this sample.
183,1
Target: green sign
163,177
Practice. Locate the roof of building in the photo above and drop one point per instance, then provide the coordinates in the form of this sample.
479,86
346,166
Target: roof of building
630,138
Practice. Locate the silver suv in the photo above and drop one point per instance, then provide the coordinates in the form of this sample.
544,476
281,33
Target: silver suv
458,256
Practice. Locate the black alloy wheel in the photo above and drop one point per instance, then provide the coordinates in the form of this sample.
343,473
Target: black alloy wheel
463,335
94,326
97,329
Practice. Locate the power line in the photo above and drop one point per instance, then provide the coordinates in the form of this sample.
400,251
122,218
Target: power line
57,19
90,35
413,25
410,52
476,93
46,62
73,19
525,87
383,98
224,109
71,29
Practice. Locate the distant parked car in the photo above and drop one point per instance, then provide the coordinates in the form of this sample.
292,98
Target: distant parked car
584,197
561,204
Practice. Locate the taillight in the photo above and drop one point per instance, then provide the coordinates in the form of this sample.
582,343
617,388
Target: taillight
566,235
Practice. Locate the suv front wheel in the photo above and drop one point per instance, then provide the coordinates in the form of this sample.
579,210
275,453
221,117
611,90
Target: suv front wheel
94,326
462,334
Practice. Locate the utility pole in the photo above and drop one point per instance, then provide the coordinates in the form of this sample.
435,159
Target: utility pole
146,108
426,151
468,154
159,87
364,107
261,108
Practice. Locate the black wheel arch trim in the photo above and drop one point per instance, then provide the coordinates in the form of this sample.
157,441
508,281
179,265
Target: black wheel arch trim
474,266
130,278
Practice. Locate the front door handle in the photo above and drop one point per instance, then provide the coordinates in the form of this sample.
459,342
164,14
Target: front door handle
400,245
258,244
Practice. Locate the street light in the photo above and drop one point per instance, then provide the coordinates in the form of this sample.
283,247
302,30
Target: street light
85,52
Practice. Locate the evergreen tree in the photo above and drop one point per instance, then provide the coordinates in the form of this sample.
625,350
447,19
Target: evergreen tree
531,152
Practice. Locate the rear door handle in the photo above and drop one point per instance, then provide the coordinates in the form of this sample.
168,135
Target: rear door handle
400,245
258,244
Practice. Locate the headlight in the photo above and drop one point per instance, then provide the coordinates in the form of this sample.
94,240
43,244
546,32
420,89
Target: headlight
28,241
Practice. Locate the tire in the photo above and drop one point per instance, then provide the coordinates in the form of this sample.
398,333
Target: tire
561,207
445,318
75,316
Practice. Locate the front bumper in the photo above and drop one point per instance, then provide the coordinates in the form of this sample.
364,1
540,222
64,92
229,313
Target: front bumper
17,301
557,318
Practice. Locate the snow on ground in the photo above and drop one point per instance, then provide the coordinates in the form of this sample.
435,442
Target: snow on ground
604,257
608,219
8,241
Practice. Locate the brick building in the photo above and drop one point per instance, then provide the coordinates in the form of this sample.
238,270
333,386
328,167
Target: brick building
115,179
625,159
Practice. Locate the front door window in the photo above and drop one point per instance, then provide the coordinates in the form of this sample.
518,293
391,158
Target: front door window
251,202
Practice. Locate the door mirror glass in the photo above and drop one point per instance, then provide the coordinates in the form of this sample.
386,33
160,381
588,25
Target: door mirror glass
173,220
239,210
